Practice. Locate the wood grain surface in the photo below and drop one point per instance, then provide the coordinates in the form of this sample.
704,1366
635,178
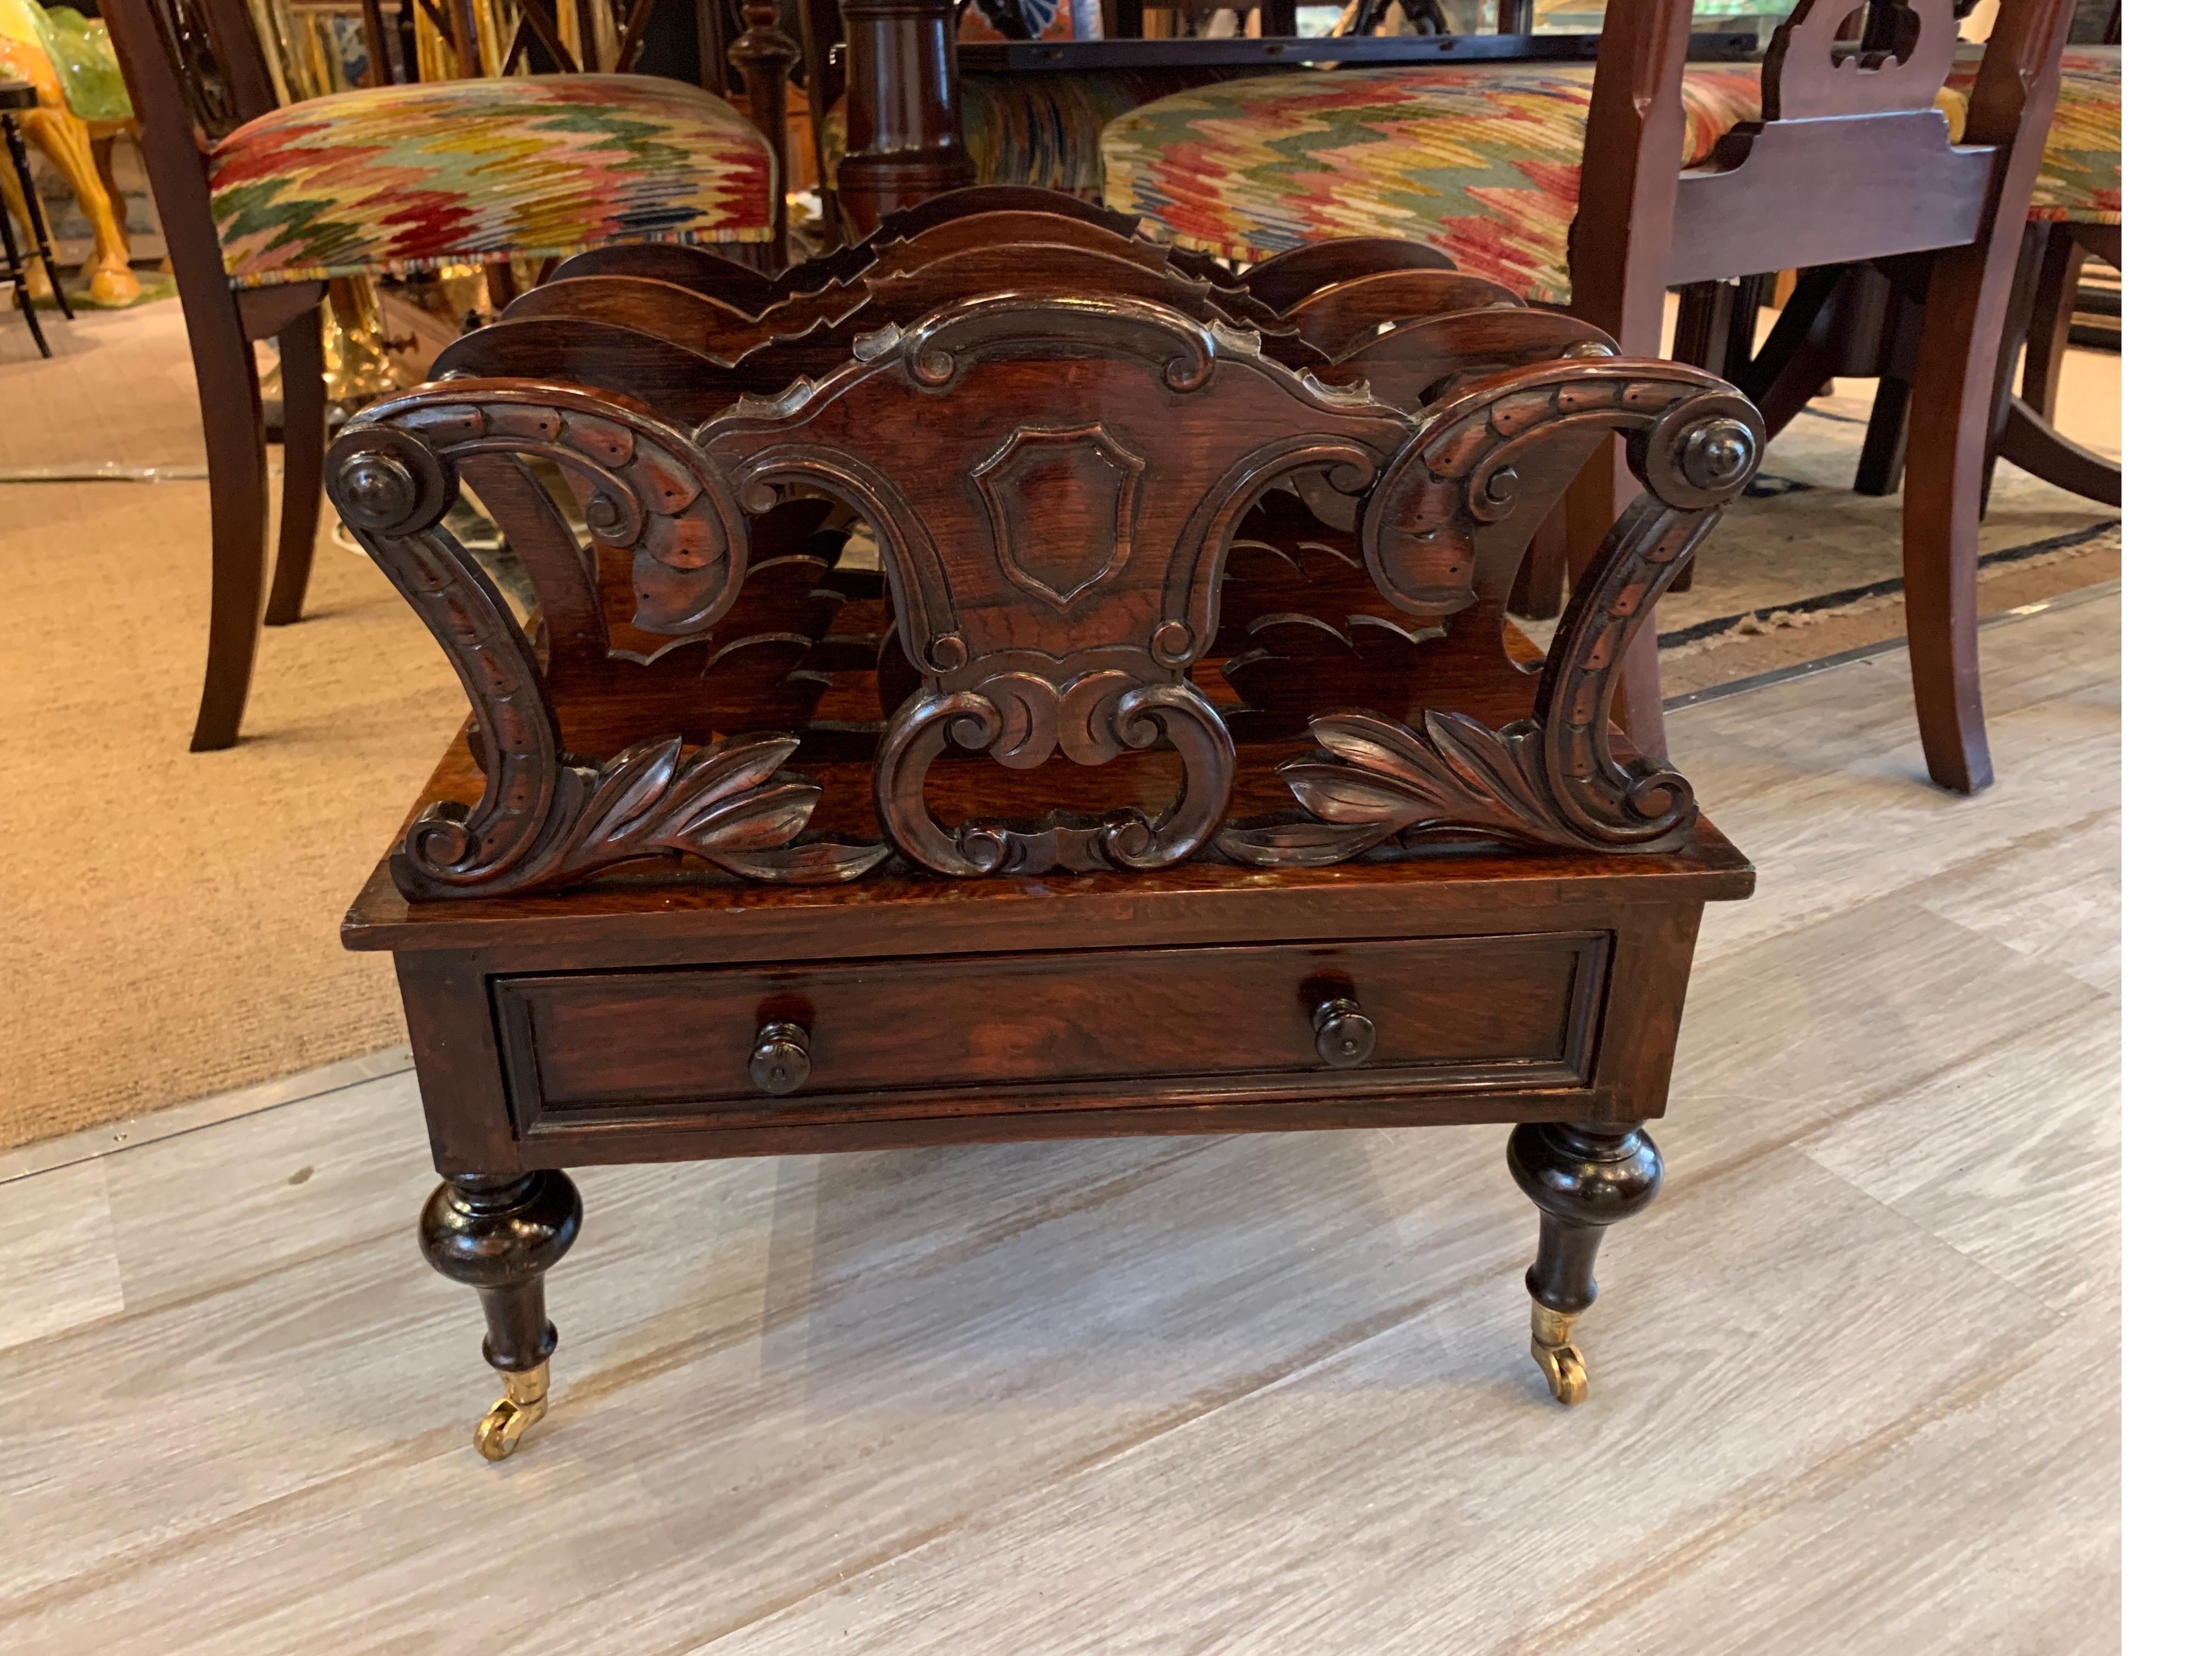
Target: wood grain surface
1857,1366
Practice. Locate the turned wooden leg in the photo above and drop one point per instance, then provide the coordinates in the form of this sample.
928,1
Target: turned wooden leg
300,353
500,1233
1581,1179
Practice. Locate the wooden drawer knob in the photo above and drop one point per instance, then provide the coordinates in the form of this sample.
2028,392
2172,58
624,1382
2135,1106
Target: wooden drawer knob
780,1062
1343,1034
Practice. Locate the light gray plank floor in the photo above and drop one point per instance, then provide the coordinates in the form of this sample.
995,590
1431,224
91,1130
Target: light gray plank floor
1856,1375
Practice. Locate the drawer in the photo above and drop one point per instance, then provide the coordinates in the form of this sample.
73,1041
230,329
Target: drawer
1107,1029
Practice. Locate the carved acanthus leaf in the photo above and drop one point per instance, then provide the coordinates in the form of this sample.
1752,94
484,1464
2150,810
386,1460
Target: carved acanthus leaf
730,804
1375,778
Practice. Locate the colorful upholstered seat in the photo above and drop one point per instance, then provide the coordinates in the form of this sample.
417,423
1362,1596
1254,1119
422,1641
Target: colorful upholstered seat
2080,181
1482,162
409,178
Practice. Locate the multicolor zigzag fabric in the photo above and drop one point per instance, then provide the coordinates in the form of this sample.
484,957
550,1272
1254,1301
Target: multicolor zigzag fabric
404,178
1482,163
2080,181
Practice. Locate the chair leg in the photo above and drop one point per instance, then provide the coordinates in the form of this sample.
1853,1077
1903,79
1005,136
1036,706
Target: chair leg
2027,440
237,503
299,348
1881,460
1797,359
2050,319
19,277
2019,306
1961,346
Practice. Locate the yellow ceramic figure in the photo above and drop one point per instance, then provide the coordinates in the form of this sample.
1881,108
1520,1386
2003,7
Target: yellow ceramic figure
70,64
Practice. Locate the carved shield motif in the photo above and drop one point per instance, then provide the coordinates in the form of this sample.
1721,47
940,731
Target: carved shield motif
1063,507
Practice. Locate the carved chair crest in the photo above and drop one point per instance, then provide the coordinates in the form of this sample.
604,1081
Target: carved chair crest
1902,53
1075,493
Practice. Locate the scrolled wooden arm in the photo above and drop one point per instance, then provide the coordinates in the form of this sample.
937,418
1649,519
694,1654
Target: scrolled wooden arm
544,817
1553,779
1508,449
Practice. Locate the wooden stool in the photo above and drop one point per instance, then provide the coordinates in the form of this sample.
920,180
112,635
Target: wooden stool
15,95
1146,751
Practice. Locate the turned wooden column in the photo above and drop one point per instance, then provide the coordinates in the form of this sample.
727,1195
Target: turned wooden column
763,54
902,142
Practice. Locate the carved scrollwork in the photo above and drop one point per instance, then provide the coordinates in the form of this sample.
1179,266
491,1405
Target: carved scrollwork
1050,473
1552,779
1904,51
1021,720
1693,441
645,486
542,818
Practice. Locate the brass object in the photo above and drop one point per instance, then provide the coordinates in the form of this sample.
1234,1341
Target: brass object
1552,1343
522,1408
357,365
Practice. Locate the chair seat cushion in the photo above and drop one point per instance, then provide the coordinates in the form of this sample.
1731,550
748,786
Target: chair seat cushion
1482,162
2079,180
409,178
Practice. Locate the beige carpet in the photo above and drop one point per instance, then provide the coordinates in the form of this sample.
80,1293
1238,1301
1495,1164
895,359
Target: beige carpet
172,918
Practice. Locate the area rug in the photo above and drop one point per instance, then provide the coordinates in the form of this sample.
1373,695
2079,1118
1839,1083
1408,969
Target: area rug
173,917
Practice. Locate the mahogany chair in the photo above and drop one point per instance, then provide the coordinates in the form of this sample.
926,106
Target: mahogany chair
1842,154
1870,324
1114,791
263,203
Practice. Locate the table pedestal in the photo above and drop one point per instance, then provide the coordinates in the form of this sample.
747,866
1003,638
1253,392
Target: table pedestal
903,141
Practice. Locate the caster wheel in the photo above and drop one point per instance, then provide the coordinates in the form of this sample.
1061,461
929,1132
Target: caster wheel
522,1408
1551,1342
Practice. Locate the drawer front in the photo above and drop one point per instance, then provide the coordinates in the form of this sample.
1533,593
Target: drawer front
1103,1029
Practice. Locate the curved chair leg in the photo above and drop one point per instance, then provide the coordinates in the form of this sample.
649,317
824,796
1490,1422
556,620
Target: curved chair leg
237,503
1582,1179
300,348
1962,344
500,1233
2028,442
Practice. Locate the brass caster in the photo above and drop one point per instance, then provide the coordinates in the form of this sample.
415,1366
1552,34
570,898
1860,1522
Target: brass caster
522,1408
1552,1343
